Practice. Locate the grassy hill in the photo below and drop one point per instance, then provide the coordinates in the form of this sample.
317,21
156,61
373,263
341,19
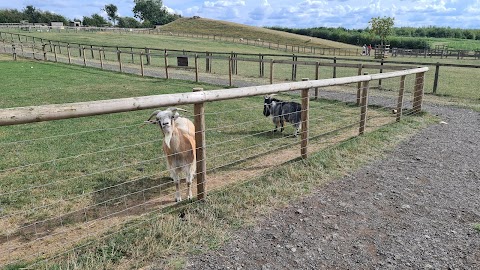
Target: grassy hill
229,29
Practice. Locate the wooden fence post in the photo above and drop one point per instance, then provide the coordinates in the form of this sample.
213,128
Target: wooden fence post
131,52
230,71
141,65
262,66
55,52
207,62
334,66
363,106
165,54
84,58
359,84
147,52
14,53
381,71
44,52
418,92
271,71
294,68
69,54
400,98
304,116
119,60
199,112
435,82
196,67
91,51
317,77
100,58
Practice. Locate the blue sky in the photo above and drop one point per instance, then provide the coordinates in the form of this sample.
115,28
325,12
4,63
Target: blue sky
288,13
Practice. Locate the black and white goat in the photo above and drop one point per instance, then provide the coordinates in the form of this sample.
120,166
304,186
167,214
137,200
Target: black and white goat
283,111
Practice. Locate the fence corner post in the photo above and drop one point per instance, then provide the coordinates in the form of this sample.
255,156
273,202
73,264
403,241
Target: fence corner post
199,112
304,116
418,92
363,106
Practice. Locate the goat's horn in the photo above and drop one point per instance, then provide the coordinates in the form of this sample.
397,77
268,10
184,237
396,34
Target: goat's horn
173,109
153,114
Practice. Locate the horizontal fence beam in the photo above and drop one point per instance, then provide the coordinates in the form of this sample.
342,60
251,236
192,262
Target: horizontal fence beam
22,115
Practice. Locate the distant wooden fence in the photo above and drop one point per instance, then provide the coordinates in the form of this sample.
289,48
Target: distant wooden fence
83,54
38,48
293,48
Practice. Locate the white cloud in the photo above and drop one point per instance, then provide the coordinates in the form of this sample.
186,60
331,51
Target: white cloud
216,4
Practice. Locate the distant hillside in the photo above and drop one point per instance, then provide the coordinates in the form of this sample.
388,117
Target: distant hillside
229,29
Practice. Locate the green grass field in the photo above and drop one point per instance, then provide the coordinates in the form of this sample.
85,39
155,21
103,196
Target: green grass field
455,43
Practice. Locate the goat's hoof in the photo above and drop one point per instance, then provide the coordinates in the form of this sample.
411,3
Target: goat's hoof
178,199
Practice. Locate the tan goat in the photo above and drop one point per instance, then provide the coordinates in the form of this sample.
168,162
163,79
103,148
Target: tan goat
178,146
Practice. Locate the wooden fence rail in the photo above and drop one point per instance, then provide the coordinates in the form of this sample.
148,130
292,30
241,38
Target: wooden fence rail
22,115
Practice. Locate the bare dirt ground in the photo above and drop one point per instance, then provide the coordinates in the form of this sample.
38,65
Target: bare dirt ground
415,209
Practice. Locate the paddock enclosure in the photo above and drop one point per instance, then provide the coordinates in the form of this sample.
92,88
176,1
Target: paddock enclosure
450,77
76,172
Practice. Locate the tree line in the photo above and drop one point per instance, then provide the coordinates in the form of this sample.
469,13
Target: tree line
400,37
147,14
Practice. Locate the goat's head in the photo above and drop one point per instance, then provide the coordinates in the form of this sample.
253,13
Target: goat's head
165,119
267,104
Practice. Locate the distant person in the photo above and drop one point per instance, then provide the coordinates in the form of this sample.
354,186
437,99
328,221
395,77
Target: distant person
369,48
364,49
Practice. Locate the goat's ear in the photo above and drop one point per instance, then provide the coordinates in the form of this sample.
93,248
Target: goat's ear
175,116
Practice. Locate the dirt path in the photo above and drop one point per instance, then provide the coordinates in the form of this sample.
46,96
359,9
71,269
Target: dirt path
415,209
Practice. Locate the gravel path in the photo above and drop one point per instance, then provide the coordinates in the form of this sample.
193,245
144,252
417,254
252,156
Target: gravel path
415,209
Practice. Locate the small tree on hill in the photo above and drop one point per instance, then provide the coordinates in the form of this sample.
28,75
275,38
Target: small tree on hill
152,12
382,27
111,11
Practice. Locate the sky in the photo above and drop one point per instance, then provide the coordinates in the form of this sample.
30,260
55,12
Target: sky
351,14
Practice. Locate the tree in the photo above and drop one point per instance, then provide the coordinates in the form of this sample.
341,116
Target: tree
382,27
95,20
152,12
128,22
111,11
31,14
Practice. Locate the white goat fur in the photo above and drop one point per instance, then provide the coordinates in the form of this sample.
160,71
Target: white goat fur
178,146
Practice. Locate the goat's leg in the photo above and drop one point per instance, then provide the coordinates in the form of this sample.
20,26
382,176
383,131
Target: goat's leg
275,121
298,129
176,180
190,174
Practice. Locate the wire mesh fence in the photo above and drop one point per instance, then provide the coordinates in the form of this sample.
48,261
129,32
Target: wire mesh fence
66,184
